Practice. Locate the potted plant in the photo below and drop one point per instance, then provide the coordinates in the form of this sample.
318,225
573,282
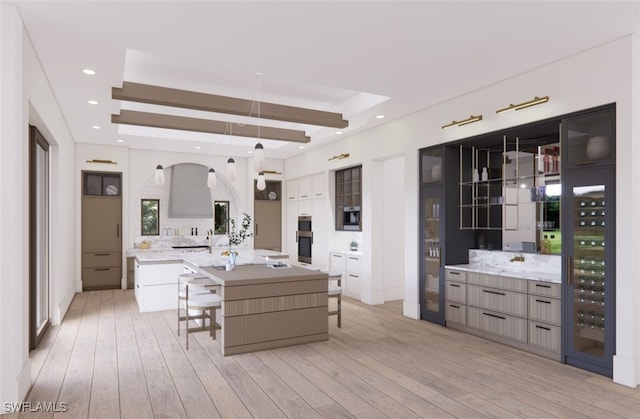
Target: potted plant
237,237
354,245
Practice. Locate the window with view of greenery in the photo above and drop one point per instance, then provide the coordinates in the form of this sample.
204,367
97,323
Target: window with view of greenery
150,217
221,217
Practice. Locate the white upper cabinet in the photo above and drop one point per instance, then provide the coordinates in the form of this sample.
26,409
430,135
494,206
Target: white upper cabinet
319,183
292,189
304,188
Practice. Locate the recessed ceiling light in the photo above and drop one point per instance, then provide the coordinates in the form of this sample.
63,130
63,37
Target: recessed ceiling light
96,127
197,147
379,116
120,141
250,152
339,132
301,147
89,71
92,102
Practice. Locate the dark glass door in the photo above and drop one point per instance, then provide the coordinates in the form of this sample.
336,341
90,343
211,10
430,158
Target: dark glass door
432,298
589,321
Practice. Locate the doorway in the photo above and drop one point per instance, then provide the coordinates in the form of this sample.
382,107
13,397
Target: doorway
39,286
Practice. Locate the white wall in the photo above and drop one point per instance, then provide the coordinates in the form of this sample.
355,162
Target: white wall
578,82
28,99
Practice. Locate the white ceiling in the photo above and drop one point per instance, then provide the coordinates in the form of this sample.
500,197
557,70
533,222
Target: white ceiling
358,58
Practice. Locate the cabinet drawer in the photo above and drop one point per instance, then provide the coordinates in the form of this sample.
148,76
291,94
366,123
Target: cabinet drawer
544,309
544,336
100,259
354,265
544,289
502,301
101,278
338,263
455,313
455,275
498,324
456,292
497,281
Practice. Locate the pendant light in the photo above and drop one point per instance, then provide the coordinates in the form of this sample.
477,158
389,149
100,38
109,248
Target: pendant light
231,163
258,152
262,184
159,175
231,169
211,179
258,156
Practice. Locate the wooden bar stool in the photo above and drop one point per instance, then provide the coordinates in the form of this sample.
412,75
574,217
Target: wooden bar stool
183,292
335,291
208,305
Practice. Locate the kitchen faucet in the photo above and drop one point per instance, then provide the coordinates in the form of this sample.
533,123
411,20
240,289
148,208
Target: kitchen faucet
209,238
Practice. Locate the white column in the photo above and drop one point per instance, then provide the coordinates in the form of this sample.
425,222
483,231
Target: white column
14,330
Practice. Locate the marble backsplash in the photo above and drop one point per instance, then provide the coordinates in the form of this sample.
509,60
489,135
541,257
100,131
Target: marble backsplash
516,262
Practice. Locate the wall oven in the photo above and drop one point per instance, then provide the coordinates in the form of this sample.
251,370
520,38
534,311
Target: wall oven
351,218
304,237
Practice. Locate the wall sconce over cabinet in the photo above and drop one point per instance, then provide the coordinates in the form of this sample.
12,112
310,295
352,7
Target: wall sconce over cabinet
535,101
469,120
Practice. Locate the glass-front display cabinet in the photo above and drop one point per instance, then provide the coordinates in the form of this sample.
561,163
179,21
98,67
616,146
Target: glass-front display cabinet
441,239
588,240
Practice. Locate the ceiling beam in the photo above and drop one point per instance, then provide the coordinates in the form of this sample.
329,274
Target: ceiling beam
157,95
147,119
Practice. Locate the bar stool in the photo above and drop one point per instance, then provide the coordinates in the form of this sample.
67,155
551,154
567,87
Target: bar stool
202,302
335,291
183,292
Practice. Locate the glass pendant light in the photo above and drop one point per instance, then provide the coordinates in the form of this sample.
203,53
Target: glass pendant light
211,179
262,183
159,179
231,169
258,158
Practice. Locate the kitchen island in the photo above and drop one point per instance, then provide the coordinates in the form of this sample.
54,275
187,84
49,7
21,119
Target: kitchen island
264,308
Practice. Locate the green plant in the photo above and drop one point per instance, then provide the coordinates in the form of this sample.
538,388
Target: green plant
237,237
354,244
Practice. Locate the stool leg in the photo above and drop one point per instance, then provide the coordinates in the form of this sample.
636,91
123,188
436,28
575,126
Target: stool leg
178,307
339,311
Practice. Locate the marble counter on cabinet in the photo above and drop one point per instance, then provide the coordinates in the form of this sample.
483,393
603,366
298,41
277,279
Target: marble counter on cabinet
533,266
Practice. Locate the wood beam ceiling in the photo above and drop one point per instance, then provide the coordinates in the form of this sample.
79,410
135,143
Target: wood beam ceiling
157,95
182,123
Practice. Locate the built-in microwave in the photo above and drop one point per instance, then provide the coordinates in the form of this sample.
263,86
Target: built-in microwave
304,237
351,218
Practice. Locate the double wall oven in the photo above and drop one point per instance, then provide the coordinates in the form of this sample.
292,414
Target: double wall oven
304,237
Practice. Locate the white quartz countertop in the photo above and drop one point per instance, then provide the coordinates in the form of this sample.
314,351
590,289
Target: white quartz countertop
201,257
349,252
498,270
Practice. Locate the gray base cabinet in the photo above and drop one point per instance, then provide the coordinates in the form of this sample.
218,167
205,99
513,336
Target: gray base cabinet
515,311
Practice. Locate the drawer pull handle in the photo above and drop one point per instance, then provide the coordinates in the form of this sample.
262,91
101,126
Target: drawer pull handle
454,273
101,269
493,315
494,292
354,276
454,285
102,254
542,301
337,256
454,306
352,258
543,286
543,328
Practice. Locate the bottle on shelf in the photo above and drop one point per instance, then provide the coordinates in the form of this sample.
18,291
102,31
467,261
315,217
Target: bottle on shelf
545,246
555,167
485,175
547,162
476,175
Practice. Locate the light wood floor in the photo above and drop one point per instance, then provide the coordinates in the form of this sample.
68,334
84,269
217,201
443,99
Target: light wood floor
107,360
